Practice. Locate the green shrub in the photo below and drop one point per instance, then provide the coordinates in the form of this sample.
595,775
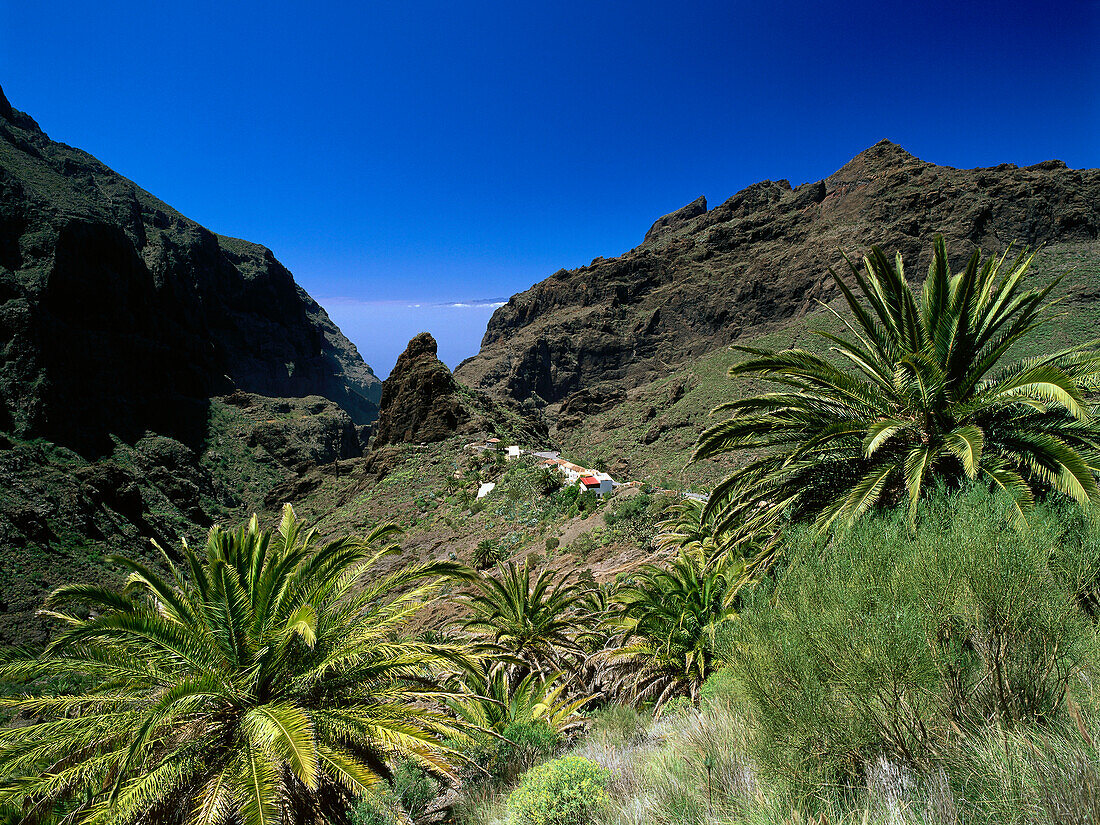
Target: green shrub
411,790
587,501
630,510
888,641
527,743
487,553
499,761
565,791
568,495
582,545
552,543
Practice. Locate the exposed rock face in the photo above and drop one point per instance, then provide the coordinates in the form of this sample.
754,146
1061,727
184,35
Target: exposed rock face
420,401
675,220
119,315
702,278
295,433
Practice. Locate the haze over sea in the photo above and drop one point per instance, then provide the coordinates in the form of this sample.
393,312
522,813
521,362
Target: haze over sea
383,328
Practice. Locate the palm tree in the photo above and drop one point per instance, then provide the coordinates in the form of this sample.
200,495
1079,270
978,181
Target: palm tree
686,529
753,542
257,684
548,481
494,699
924,396
535,620
668,622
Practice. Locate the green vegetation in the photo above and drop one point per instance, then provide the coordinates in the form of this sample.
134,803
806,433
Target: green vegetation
564,791
899,644
922,653
936,671
536,621
496,700
671,621
410,794
859,627
928,398
253,683
487,553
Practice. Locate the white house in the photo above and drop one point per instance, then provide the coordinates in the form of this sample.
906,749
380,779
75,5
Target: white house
485,489
514,452
599,483
571,471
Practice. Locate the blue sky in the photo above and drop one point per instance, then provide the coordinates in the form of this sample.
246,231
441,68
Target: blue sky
435,153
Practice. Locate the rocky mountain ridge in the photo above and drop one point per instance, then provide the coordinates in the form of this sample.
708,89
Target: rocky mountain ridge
703,277
120,315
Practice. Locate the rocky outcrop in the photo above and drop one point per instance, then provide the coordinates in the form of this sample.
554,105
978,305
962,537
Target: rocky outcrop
677,219
420,399
295,433
702,279
422,402
121,316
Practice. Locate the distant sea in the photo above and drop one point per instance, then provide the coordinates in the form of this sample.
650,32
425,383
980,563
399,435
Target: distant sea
382,329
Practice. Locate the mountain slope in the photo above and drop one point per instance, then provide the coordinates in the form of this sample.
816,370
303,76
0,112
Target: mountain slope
704,278
154,377
119,315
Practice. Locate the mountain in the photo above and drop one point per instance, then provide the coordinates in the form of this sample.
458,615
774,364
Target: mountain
703,278
120,315
154,377
422,402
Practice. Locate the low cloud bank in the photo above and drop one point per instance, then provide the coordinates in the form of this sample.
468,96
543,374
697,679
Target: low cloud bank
381,329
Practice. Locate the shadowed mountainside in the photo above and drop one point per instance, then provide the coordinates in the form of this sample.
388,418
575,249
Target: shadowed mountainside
119,315
154,377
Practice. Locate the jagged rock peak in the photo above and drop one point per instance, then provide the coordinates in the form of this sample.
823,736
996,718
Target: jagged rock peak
885,154
420,400
5,107
875,160
674,220
422,344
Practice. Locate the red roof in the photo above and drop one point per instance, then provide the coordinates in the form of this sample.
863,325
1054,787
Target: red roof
590,481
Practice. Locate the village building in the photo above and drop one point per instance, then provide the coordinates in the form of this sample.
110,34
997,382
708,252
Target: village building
599,483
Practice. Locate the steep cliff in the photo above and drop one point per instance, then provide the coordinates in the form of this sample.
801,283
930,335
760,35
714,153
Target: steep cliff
119,315
704,278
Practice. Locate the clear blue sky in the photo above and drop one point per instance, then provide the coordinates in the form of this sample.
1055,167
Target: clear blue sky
434,152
